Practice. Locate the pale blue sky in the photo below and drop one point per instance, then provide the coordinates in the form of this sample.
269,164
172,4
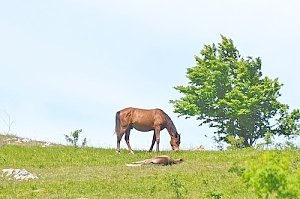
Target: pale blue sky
68,65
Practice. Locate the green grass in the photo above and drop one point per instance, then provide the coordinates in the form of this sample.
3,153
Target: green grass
66,172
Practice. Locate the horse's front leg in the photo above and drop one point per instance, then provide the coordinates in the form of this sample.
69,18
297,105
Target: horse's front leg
127,134
157,136
153,142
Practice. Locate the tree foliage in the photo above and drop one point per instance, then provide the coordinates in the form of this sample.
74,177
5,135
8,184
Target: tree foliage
229,92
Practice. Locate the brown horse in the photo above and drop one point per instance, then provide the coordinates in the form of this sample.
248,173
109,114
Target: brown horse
145,120
159,160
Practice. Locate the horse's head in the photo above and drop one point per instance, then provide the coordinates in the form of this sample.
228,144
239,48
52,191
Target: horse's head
175,142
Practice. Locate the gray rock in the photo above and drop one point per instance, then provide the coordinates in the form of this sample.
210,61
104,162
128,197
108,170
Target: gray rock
18,174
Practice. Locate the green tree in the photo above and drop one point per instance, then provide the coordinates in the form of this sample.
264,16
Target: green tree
289,123
229,92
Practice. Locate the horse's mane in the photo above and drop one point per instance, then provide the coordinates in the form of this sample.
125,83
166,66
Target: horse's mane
170,125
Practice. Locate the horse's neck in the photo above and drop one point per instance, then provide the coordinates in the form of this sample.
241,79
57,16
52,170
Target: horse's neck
172,132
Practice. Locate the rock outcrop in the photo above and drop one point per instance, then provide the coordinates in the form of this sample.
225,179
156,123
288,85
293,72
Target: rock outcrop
18,174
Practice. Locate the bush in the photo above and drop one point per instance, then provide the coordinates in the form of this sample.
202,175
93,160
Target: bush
74,137
177,186
275,175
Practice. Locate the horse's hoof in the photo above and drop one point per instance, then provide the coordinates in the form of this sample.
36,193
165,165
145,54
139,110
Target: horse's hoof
131,152
118,152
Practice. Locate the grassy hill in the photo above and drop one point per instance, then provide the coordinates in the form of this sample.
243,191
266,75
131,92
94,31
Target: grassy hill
67,172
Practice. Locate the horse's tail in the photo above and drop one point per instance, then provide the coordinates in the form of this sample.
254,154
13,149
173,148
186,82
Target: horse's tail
117,127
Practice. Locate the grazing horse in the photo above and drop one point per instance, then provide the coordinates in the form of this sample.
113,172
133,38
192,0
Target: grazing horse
145,120
159,160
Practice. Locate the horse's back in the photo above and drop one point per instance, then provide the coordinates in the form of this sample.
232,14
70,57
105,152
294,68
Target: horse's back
142,119
140,109
139,112
164,160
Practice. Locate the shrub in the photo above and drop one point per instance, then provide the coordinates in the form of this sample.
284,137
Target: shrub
275,175
177,186
74,137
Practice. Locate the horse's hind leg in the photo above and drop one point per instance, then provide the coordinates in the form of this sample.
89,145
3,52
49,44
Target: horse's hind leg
157,136
119,138
127,134
153,142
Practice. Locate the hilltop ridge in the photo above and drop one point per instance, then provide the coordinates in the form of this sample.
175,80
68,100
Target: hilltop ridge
10,139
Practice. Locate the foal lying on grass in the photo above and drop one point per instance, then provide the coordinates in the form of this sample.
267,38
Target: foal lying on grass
159,160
